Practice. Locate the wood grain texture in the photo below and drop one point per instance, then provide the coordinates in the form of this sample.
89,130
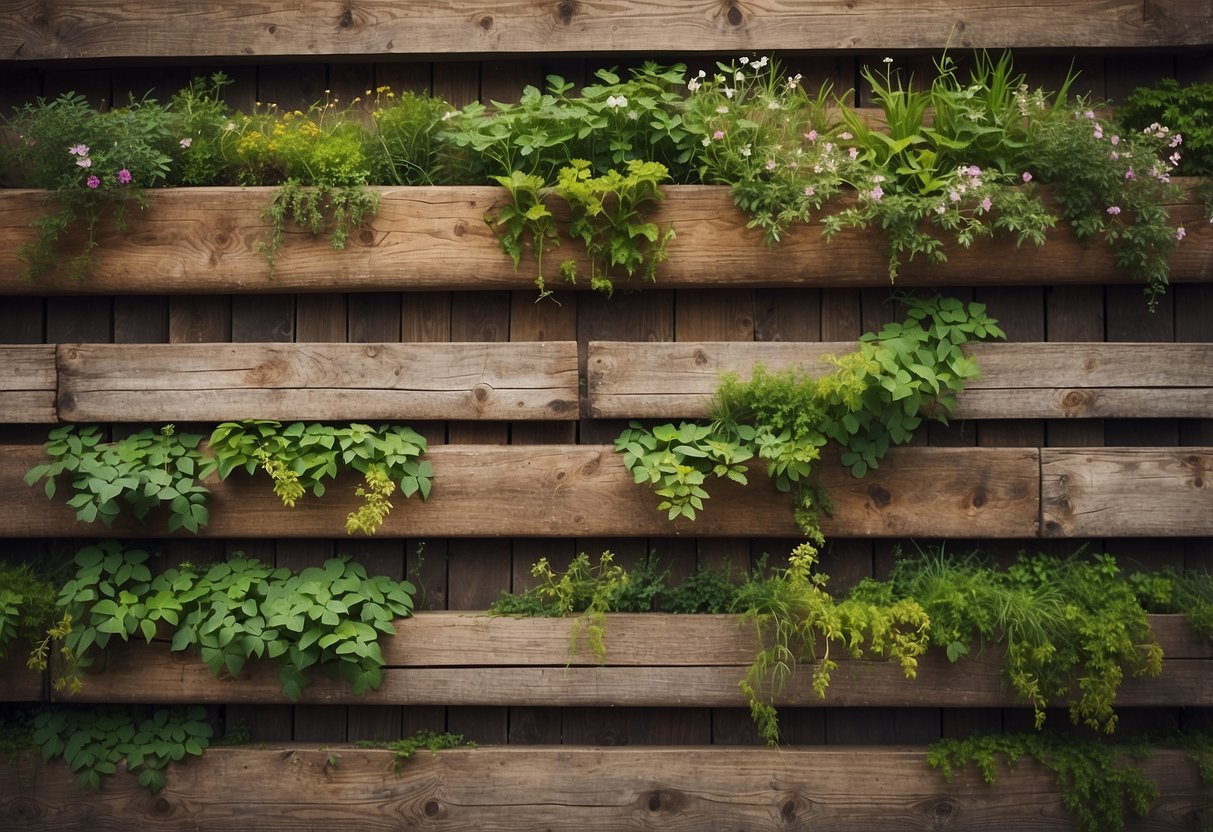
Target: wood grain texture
27,383
568,789
177,29
585,491
210,383
1018,381
17,682
1126,492
205,240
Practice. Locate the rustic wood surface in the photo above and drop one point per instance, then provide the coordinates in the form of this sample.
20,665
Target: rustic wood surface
205,240
27,383
17,682
1126,492
585,491
652,660
573,788
34,31
211,383
1018,380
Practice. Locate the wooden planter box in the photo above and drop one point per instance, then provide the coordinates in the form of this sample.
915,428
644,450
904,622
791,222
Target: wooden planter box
205,240
567,789
652,660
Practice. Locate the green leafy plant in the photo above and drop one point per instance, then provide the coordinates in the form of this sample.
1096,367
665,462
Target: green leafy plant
874,398
1167,590
94,743
525,223
329,617
141,473
299,458
404,749
27,605
1187,109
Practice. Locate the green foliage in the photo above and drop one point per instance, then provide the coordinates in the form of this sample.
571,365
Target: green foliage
1098,780
27,605
874,398
95,164
141,473
1169,591
340,209
424,740
1071,627
404,149
525,223
299,458
207,128
94,743
328,617
797,621
1186,109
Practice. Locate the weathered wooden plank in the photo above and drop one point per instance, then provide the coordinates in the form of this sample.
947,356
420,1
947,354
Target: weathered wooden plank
63,30
208,383
1126,492
27,385
568,789
1019,380
150,673
17,682
205,240
585,491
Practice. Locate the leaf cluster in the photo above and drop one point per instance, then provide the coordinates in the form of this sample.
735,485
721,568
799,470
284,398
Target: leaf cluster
141,473
94,743
27,605
874,398
1187,109
299,458
328,617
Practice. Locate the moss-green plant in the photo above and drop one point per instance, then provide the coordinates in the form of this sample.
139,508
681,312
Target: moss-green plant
424,740
27,605
872,399
141,473
94,742
299,458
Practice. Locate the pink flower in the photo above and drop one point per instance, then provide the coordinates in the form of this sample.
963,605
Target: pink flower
1180,233
1098,131
809,191
876,193
1089,114
1176,140
973,170
93,182
1129,174
186,142
986,205
78,150
1027,177
955,197
718,135
124,177
771,164
854,152
811,135
85,162
1115,140
941,209
1114,210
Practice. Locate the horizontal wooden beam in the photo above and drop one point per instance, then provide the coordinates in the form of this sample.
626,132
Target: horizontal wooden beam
206,240
57,29
585,491
533,666
1126,492
502,789
27,384
216,382
1018,381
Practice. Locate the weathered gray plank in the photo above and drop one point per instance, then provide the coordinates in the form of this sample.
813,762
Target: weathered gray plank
208,383
27,384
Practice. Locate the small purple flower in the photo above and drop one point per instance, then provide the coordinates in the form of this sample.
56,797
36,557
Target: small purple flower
809,191
186,142
811,135
1180,233
955,197
718,135
93,182
986,205
1129,174
85,162
876,193
771,165
1098,131
124,177
78,150
854,152
1114,210
1027,177
1176,140
973,170
1089,114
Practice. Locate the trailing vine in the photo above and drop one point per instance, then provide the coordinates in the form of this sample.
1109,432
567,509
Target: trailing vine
873,398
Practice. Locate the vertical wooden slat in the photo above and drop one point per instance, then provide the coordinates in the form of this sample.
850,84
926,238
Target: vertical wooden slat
320,318
374,317
194,319
263,318
1074,313
81,319
140,319
1021,314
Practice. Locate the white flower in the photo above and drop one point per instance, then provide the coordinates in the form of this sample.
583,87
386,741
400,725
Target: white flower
740,76
186,142
617,101
728,92
745,150
722,109
761,62
744,61
693,85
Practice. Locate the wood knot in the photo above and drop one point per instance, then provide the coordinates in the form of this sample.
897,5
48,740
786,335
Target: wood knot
222,239
67,403
272,29
664,801
701,358
372,350
880,495
461,228
481,393
944,809
163,806
432,808
979,499
486,22
1198,482
1075,401
266,373
24,809
346,20
788,811
590,468
566,10
734,15
1052,528
557,406
367,237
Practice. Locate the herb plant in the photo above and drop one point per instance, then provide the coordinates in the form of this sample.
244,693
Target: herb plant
140,474
874,398
1186,109
94,743
404,749
27,605
298,458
